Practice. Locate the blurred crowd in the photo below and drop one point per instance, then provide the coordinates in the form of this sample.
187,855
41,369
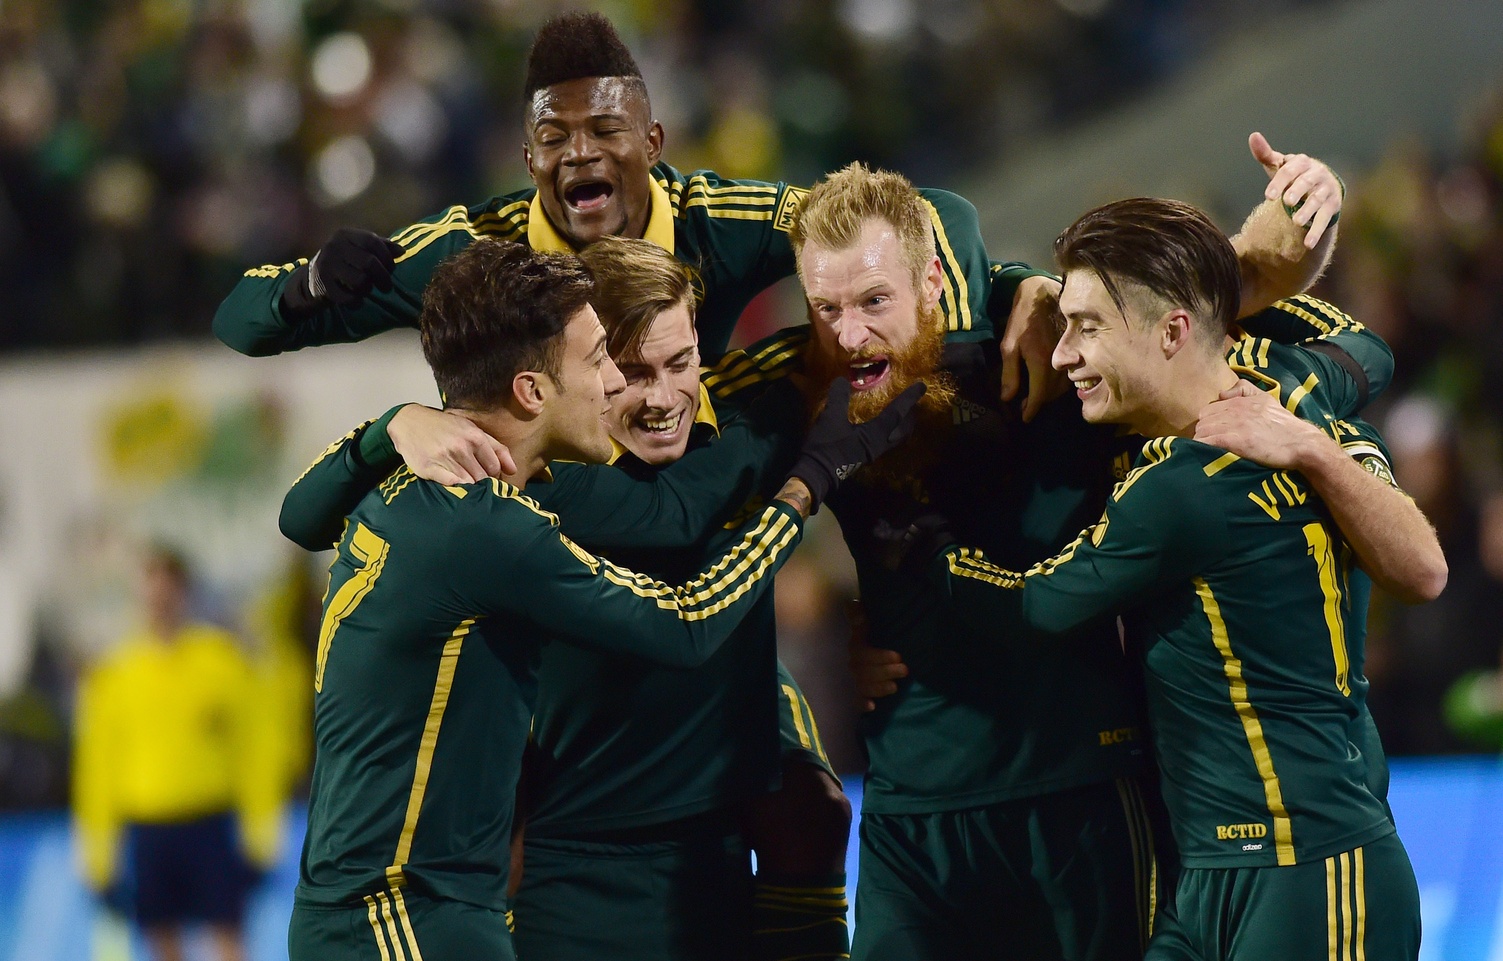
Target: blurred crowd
150,150
1421,262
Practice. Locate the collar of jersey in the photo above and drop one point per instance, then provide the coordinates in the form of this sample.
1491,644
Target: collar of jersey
706,416
543,236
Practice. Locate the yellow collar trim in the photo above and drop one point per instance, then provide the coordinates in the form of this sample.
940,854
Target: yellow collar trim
705,415
543,236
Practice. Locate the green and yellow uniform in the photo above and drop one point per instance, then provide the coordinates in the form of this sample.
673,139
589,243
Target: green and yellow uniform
1235,588
734,232
1005,777
637,772
439,604
958,851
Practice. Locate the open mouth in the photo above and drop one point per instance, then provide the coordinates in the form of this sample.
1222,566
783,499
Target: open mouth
661,427
866,374
591,195
1086,384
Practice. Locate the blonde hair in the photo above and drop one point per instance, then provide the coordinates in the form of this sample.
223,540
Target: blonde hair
840,205
635,280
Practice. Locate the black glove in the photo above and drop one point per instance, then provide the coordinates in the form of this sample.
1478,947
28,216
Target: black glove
342,272
835,447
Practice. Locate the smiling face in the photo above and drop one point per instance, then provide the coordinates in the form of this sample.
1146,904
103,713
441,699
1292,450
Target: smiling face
591,144
653,415
1115,362
579,405
868,311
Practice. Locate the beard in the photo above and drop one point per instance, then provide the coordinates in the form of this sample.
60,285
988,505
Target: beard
917,362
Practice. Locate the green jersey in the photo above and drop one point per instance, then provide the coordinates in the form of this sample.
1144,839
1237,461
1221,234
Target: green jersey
733,232
1236,588
439,601
619,741
977,723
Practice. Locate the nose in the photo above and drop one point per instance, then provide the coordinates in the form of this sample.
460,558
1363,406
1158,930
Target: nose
582,149
610,377
659,394
851,334
1065,355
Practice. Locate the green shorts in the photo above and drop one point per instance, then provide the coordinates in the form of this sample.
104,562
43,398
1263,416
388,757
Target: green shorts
644,895
394,924
796,727
1068,875
1360,904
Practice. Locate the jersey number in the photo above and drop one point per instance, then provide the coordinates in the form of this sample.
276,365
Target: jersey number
1330,585
369,552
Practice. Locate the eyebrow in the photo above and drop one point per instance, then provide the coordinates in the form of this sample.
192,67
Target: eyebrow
882,287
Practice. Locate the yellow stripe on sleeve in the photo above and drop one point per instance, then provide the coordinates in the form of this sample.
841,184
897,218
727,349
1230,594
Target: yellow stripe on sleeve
957,294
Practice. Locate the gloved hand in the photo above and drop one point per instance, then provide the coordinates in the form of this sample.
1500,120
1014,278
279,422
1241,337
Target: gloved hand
342,273
835,447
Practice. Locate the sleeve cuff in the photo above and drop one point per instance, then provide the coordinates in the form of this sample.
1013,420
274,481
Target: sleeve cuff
375,446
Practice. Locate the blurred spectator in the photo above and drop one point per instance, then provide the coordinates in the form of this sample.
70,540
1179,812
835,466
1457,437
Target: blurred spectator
1415,654
174,759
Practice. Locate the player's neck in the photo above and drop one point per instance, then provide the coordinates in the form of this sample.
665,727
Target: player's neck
524,437
1190,390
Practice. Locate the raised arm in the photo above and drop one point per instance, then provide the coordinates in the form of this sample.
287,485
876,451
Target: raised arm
1394,542
1286,242
1363,357
357,285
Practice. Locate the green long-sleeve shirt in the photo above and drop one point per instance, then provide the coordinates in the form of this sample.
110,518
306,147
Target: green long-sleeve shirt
734,232
1238,590
439,600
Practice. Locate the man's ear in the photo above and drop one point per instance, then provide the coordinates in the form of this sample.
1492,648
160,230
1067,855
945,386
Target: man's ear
1176,330
655,139
530,390
933,286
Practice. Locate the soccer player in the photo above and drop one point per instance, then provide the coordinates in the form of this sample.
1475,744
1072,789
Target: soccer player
1000,806
1234,586
594,153
441,598
629,754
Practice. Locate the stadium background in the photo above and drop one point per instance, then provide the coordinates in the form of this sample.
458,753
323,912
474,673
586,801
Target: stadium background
152,149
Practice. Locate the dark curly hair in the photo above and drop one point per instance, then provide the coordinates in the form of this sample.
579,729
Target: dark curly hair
575,45
496,309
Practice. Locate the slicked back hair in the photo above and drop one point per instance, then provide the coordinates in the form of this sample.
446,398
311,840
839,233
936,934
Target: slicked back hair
575,45
840,205
635,280
494,310
1168,248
